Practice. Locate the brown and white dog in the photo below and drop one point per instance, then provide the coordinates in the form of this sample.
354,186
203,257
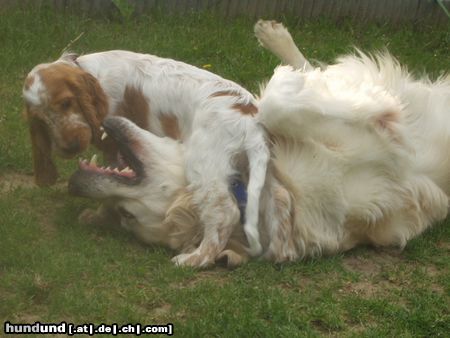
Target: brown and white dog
67,100
359,156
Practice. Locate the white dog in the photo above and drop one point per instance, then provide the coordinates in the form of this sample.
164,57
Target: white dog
359,156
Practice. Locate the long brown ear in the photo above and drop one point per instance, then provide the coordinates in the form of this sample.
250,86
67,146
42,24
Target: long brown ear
45,172
93,102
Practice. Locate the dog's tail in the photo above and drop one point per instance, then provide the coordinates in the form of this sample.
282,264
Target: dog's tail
258,156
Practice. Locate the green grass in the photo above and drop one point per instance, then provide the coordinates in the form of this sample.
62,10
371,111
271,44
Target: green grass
54,269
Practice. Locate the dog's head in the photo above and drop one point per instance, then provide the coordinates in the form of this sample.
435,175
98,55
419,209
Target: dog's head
148,191
147,186
64,106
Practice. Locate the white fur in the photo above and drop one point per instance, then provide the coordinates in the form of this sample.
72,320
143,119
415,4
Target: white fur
367,149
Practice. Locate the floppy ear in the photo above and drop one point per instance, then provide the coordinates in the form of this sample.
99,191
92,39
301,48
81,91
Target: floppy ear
93,102
182,223
45,172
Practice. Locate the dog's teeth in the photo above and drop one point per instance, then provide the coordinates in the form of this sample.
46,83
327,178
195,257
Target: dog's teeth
102,129
93,160
104,135
116,170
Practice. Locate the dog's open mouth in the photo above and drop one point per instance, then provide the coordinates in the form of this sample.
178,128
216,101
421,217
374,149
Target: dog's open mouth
94,180
128,168
122,170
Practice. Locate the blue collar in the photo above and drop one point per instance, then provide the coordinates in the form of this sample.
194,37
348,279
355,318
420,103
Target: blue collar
239,190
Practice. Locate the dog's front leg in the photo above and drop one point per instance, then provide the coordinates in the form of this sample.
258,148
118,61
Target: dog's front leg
276,38
218,216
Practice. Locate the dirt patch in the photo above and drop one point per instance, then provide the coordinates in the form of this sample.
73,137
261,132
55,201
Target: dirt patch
368,289
27,318
443,245
162,310
432,271
218,276
362,265
373,265
11,181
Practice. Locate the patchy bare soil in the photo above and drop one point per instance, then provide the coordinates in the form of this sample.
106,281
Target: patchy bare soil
11,181
218,276
373,264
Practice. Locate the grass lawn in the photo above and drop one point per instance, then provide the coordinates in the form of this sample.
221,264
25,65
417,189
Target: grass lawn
53,269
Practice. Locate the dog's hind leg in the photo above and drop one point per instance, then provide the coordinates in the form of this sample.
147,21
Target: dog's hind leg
276,38
208,169
219,215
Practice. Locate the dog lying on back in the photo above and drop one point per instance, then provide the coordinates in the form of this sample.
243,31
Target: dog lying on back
359,156
67,100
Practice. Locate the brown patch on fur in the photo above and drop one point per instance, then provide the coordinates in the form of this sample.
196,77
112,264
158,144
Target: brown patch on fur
225,93
135,107
170,127
246,109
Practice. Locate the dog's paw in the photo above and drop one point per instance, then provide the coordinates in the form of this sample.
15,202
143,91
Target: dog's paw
272,35
195,260
231,259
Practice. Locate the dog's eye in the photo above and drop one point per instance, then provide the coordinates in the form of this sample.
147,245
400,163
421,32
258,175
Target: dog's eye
65,104
124,213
